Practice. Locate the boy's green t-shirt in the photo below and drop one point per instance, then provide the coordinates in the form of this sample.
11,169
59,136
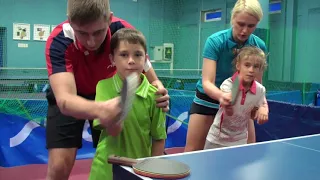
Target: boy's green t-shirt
144,123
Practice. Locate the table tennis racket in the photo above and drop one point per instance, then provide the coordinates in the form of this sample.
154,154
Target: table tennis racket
153,167
235,90
129,87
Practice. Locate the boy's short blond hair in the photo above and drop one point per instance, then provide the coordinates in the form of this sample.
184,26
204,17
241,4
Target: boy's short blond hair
86,11
132,36
251,7
249,51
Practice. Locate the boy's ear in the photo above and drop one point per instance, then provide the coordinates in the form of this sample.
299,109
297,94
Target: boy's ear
112,59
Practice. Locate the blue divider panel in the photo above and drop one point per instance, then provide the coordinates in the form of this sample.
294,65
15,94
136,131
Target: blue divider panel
289,120
23,142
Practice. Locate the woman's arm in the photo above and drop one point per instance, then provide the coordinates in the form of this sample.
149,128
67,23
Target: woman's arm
208,79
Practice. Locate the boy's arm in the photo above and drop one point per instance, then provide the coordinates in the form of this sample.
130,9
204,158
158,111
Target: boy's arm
157,147
158,129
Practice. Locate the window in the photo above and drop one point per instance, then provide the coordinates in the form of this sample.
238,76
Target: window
275,7
211,15
3,46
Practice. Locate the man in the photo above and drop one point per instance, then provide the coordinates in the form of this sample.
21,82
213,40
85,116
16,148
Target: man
77,55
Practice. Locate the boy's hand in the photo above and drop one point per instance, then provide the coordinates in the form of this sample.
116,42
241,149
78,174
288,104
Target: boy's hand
262,115
115,129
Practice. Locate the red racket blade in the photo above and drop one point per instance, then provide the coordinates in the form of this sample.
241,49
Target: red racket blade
153,167
235,90
129,87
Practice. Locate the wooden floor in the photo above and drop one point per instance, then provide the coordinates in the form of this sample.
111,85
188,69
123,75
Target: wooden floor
80,171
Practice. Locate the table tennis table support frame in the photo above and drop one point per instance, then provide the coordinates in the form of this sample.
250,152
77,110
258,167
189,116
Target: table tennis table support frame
123,174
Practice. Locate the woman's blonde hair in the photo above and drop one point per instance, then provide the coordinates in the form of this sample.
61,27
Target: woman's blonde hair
251,7
249,51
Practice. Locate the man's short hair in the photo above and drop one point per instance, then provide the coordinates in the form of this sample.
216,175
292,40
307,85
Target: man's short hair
86,11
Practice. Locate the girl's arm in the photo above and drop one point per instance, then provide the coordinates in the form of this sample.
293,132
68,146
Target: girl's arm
251,132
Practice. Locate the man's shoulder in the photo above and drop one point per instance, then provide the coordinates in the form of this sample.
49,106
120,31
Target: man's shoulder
118,23
117,19
61,34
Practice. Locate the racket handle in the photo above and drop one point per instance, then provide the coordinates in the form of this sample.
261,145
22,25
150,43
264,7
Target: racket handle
123,161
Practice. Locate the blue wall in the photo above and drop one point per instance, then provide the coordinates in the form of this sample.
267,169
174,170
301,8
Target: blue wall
53,12
32,12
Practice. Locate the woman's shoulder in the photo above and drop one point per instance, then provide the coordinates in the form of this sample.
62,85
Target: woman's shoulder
220,35
218,38
258,42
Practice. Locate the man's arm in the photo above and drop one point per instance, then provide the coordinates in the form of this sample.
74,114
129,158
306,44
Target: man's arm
151,75
62,82
163,101
69,103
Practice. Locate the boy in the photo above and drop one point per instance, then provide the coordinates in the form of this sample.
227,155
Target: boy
230,126
77,57
143,132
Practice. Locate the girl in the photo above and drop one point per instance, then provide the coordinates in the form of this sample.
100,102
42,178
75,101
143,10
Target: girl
230,126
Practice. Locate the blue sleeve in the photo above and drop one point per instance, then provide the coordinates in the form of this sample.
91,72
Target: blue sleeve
212,48
263,47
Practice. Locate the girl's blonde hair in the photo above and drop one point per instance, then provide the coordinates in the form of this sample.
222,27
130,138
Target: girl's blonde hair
247,51
251,7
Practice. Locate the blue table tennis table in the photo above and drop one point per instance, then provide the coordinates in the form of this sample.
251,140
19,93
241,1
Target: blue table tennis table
287,159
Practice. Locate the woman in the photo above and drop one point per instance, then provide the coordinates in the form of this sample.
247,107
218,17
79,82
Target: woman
219,51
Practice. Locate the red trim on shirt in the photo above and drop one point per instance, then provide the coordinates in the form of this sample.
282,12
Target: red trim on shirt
253,87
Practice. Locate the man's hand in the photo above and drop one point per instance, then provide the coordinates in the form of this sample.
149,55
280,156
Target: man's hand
109,112
261,115
163,101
